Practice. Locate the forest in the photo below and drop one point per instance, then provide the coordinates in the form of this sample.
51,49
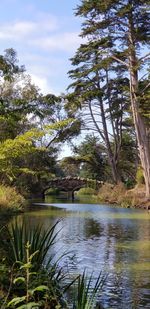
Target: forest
108,99
104,117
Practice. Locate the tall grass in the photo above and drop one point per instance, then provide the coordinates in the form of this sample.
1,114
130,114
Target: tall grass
40,240
118,194
10,200
86,295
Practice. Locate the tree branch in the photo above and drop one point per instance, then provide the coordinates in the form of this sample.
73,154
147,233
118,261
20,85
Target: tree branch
144,57
121,61
145,88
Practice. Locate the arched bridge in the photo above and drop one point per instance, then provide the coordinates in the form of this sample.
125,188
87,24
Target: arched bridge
72,184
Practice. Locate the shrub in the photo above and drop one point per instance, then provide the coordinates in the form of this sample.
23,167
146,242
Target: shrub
139,176
118,194
10,199
114,194
86,191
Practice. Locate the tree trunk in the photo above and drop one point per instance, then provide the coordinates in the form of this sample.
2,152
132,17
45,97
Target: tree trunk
105,137
142,140
113,166
140,127
111,156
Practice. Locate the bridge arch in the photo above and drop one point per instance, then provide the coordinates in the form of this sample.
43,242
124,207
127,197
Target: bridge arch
71,184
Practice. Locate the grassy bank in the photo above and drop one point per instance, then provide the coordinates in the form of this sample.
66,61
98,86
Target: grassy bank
118,194
10,200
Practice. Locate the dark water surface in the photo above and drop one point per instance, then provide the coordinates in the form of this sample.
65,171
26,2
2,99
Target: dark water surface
111,239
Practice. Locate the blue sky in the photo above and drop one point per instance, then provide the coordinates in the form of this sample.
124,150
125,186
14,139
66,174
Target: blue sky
45,35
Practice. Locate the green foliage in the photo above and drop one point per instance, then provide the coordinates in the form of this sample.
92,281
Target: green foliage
10,200
32,127
114,33
99,92
14,152
34,278
86,191
28,300
8,65
86,295
91,154
127,158
40,242
52,191
139,176
89,160
31,283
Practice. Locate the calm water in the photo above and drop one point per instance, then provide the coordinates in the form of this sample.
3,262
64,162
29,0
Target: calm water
114,240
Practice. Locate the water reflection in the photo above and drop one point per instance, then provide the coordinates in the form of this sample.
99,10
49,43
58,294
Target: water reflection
113,240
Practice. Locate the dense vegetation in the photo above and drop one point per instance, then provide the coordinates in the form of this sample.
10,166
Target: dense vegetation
109,100
110,89
106,98
29,279
32,127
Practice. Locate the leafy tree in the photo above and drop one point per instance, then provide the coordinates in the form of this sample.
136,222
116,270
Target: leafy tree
32,127
67,167
128,159
89,160
92,156
121,30
102,93
22,157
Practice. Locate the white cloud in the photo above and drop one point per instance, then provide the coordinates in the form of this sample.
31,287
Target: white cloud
44,47
18,30
67,41
42,83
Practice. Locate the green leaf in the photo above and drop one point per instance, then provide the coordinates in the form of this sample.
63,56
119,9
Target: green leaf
33,254
19,279
33,273
41,288
26,266
30,306
15,301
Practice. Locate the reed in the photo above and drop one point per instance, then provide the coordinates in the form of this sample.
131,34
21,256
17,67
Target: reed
40,240
86,295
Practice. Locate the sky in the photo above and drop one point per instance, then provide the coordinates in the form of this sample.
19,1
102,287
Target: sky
45,34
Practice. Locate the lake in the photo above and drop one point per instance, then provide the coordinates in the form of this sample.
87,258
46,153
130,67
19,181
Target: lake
103,238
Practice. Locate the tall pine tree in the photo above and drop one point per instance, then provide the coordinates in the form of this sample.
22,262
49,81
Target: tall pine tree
121,30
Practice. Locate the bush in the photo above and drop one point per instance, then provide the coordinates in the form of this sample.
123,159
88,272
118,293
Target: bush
115,194
86,191
52,191
118,194
10,199
140,176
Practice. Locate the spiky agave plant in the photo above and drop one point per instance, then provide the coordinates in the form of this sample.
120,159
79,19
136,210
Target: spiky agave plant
86,294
